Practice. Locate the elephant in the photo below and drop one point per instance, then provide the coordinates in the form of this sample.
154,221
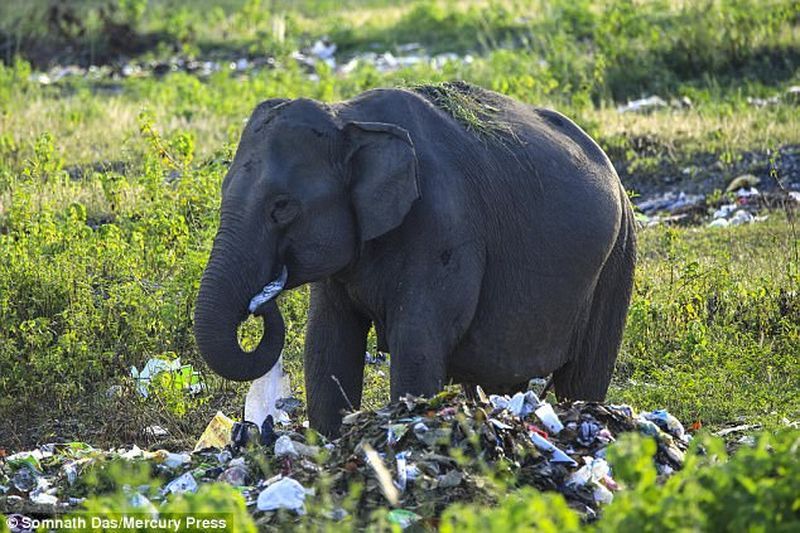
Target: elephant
488,241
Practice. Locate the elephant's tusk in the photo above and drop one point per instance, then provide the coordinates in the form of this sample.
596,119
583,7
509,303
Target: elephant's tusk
270,291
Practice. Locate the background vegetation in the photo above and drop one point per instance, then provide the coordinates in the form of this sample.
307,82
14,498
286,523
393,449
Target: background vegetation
109,189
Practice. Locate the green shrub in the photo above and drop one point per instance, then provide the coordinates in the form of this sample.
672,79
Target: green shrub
755,489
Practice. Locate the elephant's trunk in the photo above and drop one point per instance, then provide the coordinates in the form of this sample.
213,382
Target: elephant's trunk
229,282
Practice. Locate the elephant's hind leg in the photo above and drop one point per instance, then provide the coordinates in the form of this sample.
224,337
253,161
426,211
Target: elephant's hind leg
588,374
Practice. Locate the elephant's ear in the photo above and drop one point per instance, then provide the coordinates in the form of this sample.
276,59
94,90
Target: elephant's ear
382,168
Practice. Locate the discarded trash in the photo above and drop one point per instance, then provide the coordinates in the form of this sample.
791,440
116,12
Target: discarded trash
744,181
737,429
378,359
25,480
323,49
285,447
741,217
382,474
141,502
217,434
264,393
666,422
179,485
188,377
155,432
587,433
451,479
549,418
286,493
43,498
402,455
558,456
235,475
671,202
270,291
244,432
719,223
171,460
523,404
402,517
643,105
268,435
289,404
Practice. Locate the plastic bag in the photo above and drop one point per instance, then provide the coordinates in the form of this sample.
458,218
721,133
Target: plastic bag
263,394
283,494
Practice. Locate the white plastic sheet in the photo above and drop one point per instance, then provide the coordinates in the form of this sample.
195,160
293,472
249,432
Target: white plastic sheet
263,394
286,493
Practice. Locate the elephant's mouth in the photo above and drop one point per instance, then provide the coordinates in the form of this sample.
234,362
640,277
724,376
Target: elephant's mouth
270,291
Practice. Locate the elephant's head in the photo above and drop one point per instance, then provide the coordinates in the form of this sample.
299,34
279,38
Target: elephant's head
304,192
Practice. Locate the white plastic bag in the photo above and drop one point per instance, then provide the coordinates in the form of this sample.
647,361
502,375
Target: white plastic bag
263,394
284,494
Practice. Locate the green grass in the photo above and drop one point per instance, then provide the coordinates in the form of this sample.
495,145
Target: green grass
714,328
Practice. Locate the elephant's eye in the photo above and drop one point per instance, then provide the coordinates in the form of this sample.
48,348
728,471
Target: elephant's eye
283,211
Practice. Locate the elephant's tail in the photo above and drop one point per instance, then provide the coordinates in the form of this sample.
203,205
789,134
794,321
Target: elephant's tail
588,374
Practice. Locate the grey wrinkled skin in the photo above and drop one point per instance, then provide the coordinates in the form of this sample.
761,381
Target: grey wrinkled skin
478,261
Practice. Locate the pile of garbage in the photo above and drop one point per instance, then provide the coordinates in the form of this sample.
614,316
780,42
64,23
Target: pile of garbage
741,203
423,454
323,50
415,456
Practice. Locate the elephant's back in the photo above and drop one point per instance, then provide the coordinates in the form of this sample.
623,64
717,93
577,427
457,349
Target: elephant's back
557,207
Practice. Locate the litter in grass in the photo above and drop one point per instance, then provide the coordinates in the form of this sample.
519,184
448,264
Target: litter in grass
183,376
643,105
217,434
417,455
283,494
264,393
742,203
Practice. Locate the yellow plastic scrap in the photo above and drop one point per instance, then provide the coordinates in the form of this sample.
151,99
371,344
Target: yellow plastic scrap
217,434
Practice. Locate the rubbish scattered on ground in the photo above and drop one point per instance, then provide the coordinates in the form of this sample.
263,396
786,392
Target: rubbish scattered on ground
549,418
289,404
323,49
171,460
402,517
285,493
741,204
184,483
381,473
378,359
264,394
415,456
643,105
184,376
217,434
790,96
155,432
745,181
671,202
737,429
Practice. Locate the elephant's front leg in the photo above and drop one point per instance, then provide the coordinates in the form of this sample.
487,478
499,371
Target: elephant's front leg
419,359
430,316
336,340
